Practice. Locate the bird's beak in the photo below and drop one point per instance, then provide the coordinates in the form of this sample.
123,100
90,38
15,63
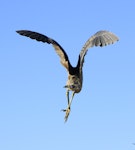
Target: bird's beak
65,86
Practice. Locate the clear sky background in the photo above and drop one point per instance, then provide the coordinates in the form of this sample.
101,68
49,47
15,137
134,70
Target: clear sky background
32,79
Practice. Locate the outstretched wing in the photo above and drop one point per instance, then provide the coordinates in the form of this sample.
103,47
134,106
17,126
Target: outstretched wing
101,38
40,37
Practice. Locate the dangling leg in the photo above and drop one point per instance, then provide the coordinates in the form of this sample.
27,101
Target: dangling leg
69,104
67,94
73,93
68,109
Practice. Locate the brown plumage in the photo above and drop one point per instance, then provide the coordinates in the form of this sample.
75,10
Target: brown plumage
74,82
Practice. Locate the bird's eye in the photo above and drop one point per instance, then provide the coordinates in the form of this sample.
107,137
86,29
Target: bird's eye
73,77
72,86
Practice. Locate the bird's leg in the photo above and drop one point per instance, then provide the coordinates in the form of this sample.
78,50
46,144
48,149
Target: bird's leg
67,94
73,93
68,109
69,104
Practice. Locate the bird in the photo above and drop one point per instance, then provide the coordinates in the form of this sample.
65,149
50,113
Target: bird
75,74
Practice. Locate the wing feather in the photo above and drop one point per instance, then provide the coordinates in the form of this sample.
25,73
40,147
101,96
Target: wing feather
40,37
101,38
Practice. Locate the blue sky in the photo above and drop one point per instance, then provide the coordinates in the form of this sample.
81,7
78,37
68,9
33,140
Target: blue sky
32,79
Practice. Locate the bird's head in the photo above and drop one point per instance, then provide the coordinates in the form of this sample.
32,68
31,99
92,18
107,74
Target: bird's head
74,83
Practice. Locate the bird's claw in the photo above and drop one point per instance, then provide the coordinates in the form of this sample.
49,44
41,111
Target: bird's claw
67,113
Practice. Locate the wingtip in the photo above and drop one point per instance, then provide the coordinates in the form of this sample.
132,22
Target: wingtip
18,31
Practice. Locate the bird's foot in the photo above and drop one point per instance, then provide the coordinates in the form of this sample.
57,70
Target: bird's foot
67,113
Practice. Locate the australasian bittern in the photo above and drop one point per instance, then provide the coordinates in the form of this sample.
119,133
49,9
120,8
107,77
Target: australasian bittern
75,76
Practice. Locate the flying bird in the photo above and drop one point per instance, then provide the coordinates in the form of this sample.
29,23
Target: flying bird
75,74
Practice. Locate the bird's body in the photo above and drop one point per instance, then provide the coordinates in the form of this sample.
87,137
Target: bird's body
75,76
